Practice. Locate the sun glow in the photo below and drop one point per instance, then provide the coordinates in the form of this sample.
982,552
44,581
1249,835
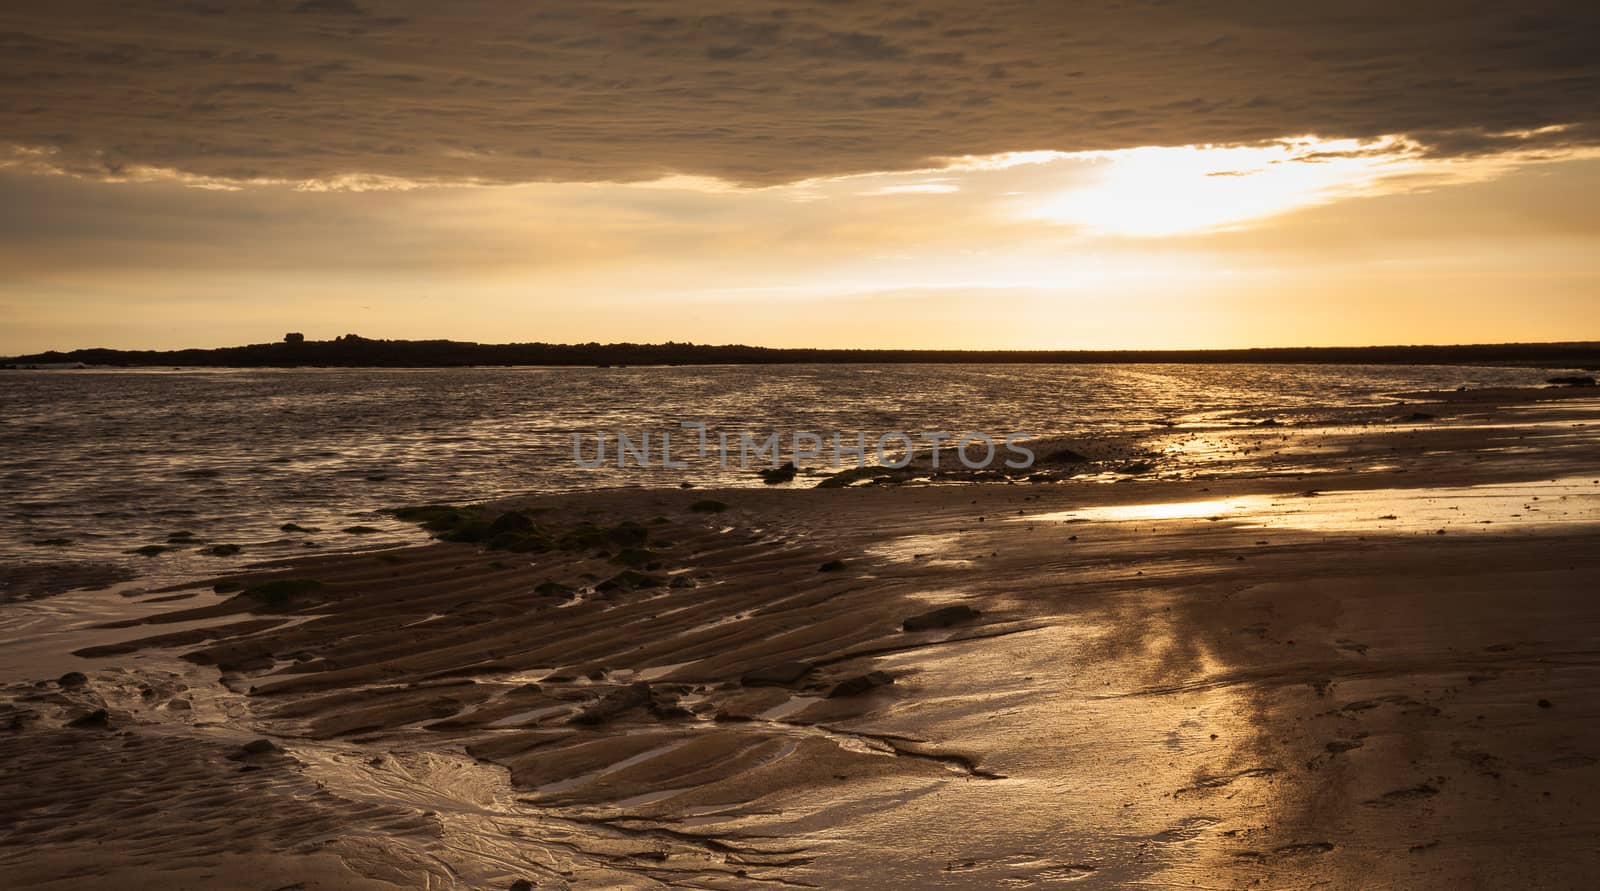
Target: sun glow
1159,190
1138,247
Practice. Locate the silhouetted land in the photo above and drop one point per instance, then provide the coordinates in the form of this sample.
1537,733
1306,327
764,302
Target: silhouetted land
354,351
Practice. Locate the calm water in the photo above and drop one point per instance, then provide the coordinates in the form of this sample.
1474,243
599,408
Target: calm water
114,460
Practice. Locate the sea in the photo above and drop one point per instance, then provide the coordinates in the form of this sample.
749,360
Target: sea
97,464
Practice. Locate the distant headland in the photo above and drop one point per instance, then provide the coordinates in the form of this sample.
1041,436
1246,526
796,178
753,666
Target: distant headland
353,350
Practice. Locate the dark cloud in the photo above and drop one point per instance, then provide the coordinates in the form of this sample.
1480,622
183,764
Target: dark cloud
752,92
329,7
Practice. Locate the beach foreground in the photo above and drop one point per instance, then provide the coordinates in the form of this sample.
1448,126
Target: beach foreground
1353,654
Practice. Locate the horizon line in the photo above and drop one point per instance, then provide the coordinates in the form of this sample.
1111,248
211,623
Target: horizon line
295,349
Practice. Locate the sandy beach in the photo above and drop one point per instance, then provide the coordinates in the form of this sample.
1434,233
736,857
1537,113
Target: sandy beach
1352,651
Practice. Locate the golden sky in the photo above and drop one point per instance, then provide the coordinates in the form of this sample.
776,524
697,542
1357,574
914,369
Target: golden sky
778,175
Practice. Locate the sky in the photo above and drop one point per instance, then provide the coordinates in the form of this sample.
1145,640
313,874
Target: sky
1134,174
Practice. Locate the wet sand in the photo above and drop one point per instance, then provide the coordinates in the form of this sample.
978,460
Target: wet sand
1350,651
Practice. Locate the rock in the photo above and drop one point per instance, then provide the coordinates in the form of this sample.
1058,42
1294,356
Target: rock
1544,703
260,747
781,675
858,685
73,679
528,541
1060,457
682,581
943,617
294,527
629,579
638,558
831,566
628,533
282,593
510,521
667,707
95,720
522,885
258,750
599,539
708,506
221,550
1572,380
871,475
554,589
614,703
775,475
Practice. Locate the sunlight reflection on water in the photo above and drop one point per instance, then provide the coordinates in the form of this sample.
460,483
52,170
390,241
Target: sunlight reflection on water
112,460
1488,508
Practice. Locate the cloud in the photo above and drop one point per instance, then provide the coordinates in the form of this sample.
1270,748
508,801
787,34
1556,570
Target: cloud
852,261
329,7
761,94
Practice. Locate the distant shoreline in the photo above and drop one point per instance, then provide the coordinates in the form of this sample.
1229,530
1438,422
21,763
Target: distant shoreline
352,351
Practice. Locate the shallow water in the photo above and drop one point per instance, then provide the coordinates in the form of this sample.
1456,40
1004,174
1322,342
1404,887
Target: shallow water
1492,508
113,460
